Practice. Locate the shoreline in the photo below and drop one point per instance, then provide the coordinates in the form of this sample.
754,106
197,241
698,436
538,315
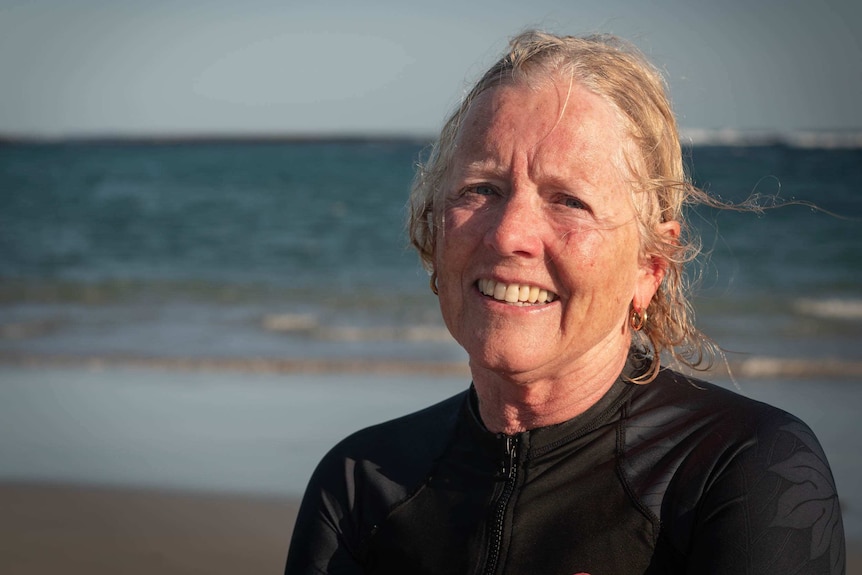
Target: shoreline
752,367
48,528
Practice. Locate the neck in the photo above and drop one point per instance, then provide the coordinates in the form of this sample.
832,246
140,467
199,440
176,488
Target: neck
512,403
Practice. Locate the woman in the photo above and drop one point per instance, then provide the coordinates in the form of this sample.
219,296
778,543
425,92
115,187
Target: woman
550,216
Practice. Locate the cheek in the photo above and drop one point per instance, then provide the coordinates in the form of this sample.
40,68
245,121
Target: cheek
602,258
448,253
458,230
585,249
460,221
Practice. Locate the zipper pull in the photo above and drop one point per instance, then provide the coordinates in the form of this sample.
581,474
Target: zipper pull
511,456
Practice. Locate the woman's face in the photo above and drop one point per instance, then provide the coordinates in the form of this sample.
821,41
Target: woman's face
539,257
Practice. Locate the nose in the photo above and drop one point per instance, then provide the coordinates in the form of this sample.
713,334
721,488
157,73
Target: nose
515,231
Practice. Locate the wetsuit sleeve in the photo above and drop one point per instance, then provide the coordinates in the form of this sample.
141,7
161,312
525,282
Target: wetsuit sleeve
770,508
321,541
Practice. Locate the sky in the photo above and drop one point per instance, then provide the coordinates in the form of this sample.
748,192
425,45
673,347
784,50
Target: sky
397,67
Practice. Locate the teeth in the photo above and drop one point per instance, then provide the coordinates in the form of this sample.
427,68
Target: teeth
514,293
497,291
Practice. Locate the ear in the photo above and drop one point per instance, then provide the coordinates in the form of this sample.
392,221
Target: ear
653,267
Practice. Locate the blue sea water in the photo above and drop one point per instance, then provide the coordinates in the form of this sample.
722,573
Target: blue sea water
297,249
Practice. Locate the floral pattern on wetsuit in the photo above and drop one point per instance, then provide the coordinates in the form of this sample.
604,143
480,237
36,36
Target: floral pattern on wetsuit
811,503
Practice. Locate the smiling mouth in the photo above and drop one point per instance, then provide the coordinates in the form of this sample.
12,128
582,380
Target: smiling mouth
515,294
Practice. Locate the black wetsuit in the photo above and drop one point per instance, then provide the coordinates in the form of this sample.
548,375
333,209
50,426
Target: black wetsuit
677,476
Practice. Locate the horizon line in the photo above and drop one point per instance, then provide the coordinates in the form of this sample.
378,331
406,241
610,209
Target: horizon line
826,138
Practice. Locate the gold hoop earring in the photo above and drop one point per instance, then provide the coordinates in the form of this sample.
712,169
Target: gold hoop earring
637,319
433,282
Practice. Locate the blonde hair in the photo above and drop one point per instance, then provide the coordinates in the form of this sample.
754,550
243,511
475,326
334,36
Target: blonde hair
619,73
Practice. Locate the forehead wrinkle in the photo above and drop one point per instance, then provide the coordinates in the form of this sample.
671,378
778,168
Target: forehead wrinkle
483,168
550,159
490,153
482,154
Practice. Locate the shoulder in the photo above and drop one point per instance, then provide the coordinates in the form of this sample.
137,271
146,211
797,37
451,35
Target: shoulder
707,460
677,399
365,476
415,433
693,420
398,452
681,435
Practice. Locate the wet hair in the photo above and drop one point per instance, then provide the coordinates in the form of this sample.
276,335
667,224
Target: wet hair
617,72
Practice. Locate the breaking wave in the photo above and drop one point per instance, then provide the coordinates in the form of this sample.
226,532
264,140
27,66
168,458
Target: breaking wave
802,139
834,308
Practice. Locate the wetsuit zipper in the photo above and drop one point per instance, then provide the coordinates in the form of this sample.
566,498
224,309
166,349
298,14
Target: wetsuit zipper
510,470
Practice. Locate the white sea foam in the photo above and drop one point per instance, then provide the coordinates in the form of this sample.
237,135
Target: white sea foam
800,139
383,333
310,325
843,309
759,367
288,322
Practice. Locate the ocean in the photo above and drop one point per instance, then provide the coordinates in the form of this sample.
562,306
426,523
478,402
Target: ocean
162,299
297,250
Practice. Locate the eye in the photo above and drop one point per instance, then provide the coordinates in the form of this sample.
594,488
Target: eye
483,190
574,203
473,195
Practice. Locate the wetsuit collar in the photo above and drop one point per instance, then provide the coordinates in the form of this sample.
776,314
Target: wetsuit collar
534,442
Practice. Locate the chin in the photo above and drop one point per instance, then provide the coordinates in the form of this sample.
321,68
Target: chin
507,364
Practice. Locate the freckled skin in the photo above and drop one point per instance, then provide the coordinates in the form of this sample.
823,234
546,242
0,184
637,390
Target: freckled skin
536,197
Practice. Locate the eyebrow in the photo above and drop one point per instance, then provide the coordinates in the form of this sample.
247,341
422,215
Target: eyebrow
485,166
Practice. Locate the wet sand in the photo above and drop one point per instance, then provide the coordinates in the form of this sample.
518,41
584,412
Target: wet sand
78,530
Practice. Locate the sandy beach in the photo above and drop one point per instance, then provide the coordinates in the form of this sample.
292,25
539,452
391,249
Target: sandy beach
62,529
94,531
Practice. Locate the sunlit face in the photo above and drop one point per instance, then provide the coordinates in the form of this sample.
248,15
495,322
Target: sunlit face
539,258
